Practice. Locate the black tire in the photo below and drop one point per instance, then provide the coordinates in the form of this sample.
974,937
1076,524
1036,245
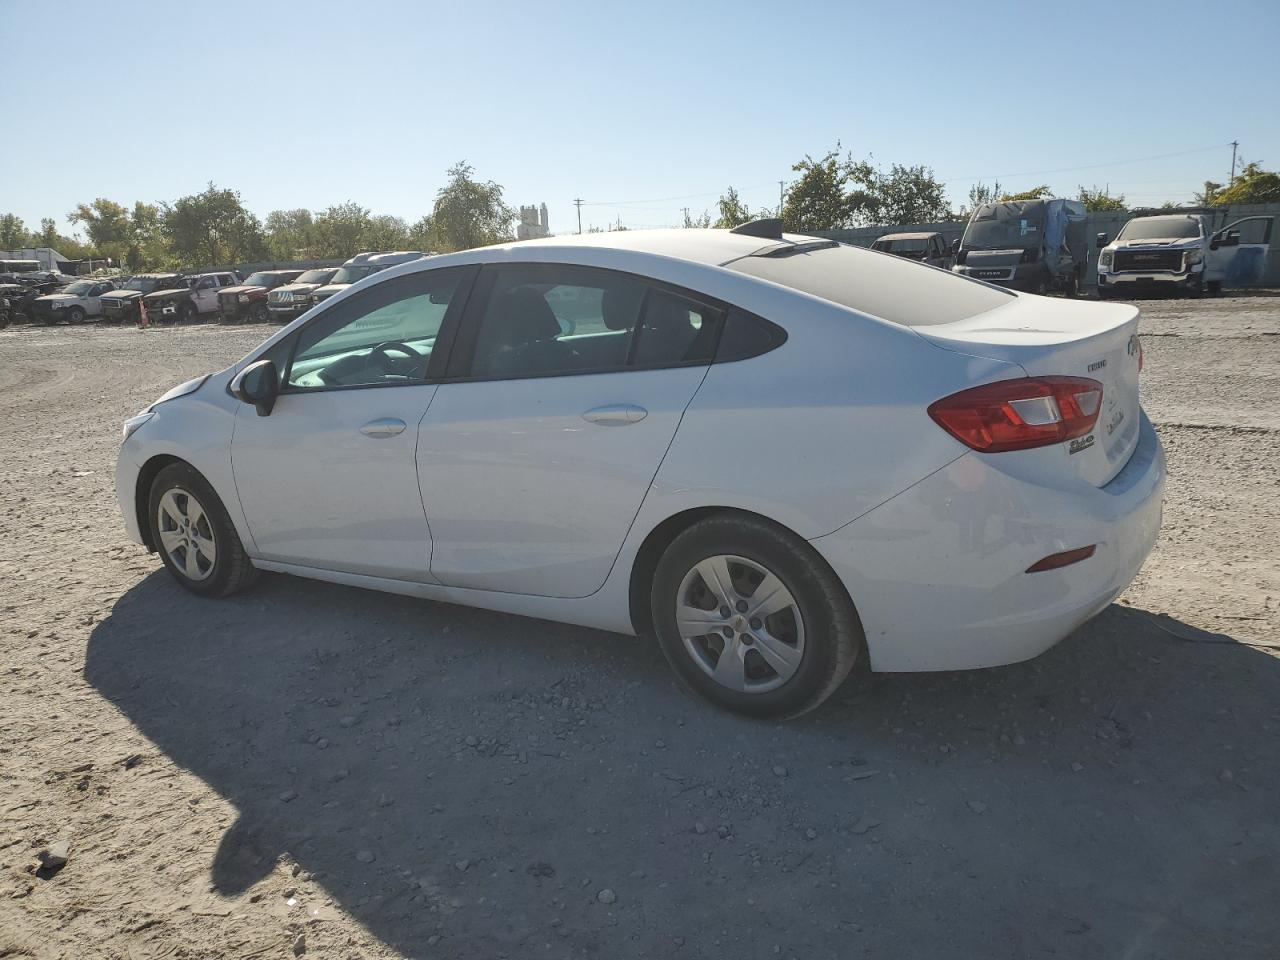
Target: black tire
231,570
1071,289
261,313
75,315
1214,287
833,637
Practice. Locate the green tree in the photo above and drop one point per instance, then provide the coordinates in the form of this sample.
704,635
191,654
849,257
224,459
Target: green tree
386,233
340,230
696,223
149,248
13,232
108,225
1209,195
980,193
733,212
469,213
828,194
422,236
1035,193
1251,185
69,247
907,195
213,228
1095,199
290,234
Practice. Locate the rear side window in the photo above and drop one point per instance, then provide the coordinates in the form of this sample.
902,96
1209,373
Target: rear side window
887,287
550,320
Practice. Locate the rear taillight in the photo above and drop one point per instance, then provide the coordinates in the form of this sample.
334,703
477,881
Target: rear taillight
1020,414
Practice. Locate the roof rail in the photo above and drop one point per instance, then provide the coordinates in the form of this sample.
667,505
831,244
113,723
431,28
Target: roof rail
767,228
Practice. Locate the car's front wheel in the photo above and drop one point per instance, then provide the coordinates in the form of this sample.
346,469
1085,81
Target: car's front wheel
195,537
752,618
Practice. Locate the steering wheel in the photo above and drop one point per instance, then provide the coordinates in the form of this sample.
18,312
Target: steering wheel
381,351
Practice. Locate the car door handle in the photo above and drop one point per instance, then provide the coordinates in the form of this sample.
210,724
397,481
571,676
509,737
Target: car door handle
616,414
383,427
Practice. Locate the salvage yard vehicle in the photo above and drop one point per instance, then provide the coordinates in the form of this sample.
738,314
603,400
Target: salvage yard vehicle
74,303
122,302
21,291
443,431
188,303
358,267
248,300
1182,253
927,248
1034,245
294,299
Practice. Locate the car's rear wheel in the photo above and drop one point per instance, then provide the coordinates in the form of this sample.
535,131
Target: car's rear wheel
752,618
195,537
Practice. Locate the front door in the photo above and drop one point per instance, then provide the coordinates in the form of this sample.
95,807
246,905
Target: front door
566,388
328,479
1237,253
204,294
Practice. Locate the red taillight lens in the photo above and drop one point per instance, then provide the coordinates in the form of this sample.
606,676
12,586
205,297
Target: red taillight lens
1020,414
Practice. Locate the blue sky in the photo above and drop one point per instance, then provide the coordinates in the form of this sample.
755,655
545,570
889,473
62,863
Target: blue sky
640,109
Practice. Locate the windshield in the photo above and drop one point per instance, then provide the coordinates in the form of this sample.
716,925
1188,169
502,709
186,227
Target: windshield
1005,226
80,288
1160,228
142,284
351,274
262,280
315,276
902,246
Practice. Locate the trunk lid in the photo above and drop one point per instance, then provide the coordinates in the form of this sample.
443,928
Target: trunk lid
1048,336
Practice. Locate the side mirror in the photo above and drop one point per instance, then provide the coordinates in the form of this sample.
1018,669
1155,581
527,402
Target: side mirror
258,384
1233,239
1102,240
955,245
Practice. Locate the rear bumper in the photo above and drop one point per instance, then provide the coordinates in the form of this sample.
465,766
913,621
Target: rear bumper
937,573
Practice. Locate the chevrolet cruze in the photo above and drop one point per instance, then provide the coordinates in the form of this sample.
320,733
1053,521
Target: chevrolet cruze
780,456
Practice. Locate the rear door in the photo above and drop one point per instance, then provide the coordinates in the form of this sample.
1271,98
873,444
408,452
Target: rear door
565,389
1237,254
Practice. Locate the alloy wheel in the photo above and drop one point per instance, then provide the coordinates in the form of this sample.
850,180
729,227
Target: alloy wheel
740,624
186,534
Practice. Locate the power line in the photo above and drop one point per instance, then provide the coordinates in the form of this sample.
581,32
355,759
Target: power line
1093,166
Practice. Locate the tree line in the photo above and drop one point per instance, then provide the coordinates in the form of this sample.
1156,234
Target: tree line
214,228
830,192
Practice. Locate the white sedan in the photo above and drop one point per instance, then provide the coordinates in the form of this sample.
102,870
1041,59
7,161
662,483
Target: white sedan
779,455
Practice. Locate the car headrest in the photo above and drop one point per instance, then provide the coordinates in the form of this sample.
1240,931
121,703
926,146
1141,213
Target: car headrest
523,316
619,305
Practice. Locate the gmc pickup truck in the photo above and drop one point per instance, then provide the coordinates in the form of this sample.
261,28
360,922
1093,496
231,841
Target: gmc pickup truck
1182,253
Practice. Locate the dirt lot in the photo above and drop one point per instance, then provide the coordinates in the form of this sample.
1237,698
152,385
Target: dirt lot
388,777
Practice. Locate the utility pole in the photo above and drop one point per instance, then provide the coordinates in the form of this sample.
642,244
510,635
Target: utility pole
780,183
578,204
686,215
1234,144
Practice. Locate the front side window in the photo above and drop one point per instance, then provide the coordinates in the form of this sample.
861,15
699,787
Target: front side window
383,336
544,320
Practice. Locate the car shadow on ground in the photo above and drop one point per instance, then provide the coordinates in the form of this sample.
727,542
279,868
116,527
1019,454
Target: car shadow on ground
448,773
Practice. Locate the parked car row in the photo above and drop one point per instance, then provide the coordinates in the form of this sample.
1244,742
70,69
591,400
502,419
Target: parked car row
1040,246
165,298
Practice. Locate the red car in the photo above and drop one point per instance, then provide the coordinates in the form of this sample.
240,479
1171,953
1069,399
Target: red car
249,299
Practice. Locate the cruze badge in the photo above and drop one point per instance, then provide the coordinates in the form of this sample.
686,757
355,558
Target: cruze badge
1084,443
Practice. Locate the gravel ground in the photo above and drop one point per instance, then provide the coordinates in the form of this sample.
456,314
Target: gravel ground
319,769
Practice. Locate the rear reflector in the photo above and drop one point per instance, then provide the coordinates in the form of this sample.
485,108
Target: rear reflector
1064,559
1020,414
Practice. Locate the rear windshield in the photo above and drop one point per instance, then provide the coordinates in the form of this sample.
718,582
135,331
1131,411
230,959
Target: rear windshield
882,285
